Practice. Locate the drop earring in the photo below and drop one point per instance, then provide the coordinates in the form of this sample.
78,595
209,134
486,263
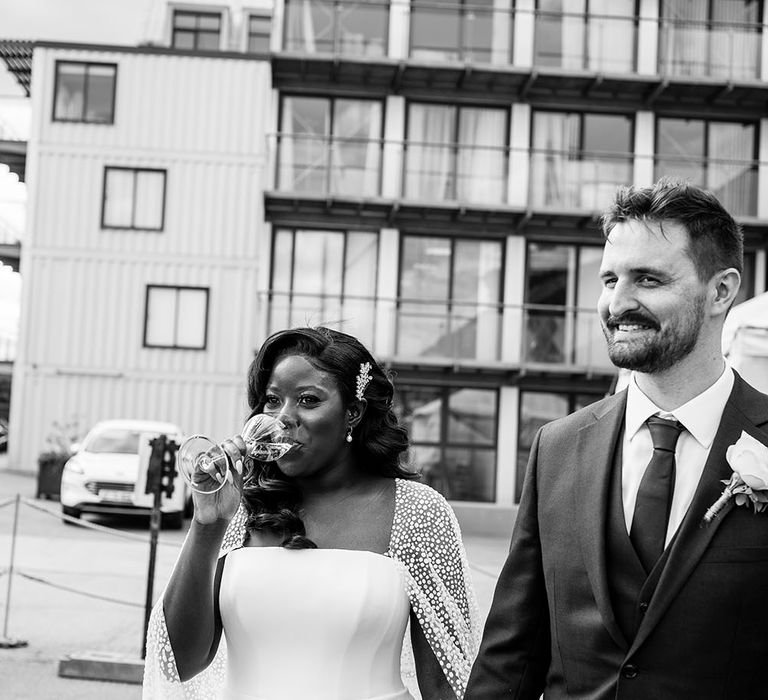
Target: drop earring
349,434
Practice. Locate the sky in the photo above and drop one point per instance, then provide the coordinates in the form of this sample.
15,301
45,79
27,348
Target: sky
87,21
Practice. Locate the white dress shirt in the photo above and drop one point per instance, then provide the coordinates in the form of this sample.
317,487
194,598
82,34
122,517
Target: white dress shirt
700,417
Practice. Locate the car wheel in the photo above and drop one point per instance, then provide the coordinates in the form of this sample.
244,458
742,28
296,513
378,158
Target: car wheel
173,521
72,513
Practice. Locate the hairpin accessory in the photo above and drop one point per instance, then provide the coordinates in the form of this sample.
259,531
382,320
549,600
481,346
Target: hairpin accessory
363,379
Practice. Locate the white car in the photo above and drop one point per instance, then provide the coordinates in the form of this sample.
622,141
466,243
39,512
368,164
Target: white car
107,473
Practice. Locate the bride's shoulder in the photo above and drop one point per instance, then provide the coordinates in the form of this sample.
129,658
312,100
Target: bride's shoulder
420,505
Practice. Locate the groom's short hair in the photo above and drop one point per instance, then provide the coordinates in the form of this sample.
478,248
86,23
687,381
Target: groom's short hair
717,241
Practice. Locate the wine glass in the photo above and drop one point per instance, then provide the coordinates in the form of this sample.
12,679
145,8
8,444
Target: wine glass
204,465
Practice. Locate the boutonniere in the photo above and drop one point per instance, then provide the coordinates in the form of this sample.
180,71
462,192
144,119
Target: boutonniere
749,482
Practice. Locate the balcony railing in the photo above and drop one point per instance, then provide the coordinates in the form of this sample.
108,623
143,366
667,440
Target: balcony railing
460,173
577,179
733,182
455,172
709,49
435,330
478,33
313,164
473,32
356,28
602,43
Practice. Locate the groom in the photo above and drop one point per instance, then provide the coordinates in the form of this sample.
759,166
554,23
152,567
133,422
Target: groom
614,587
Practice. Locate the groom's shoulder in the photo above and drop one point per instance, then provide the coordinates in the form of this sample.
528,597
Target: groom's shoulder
588,414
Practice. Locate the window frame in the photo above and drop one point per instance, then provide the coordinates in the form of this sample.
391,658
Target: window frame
330,138
455,145
86,65
177,288
450,302
705,158
346,294
464,10
197,14
135,171
249,34
443,443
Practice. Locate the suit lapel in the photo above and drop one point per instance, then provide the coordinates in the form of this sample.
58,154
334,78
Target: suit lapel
741,412
596,444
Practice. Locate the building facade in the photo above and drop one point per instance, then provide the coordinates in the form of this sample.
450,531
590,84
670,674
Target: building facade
426,176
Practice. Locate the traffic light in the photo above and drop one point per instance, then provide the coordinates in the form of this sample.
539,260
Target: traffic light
161,470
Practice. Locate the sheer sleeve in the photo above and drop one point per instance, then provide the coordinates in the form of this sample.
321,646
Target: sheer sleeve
161,680
426,543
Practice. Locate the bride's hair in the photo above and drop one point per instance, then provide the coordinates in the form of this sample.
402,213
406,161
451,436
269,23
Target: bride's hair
272,499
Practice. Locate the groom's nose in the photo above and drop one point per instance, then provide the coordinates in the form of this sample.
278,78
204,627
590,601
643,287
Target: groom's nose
621,298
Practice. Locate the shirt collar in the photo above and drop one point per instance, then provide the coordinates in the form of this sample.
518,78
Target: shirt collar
700,416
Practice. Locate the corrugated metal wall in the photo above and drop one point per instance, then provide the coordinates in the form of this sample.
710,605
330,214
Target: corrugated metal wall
81,356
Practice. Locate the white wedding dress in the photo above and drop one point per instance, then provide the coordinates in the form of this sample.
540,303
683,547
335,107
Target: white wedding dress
316,624
341,613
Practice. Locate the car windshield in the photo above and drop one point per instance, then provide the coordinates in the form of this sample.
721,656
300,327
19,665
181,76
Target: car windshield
116,440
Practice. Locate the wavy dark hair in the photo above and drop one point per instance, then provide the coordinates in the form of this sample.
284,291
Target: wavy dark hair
273,500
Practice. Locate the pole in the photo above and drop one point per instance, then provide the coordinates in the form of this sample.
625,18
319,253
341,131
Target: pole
154,528
6,642
155,520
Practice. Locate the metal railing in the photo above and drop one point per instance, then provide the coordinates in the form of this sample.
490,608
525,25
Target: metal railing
357,28
479,33
455,331
455,172
729,50
329,165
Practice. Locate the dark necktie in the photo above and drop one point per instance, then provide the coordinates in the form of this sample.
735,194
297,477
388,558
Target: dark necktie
654,497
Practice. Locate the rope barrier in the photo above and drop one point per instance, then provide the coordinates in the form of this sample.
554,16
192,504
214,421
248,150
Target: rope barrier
12,571
70,589
93,526
8,502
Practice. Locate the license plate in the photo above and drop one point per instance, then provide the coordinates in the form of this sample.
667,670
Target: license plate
116,496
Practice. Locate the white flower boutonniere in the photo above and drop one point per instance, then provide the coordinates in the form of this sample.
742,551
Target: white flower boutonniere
749,482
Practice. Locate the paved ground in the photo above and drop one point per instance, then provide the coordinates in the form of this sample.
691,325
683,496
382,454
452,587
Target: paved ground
57,622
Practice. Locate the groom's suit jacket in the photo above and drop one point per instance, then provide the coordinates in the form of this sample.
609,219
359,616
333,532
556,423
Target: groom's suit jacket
700,626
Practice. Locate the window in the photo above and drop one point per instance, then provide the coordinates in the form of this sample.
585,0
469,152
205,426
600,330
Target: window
456,153
85,92
259,33
325,277
176,317
718,39
331,26
597,35
450,297
453,438
562,287
330,146
720,156
466,30
196,30
536,409
578,159
133,199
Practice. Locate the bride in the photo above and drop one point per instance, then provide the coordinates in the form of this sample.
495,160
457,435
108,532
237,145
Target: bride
330,574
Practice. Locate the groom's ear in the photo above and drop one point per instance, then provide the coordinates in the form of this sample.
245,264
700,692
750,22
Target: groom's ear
725,287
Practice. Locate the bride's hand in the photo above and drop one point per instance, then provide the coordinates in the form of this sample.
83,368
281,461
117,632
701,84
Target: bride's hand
223,504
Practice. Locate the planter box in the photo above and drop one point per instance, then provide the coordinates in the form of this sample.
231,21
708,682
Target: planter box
49,468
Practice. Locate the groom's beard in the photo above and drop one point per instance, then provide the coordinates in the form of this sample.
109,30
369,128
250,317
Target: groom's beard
655,348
